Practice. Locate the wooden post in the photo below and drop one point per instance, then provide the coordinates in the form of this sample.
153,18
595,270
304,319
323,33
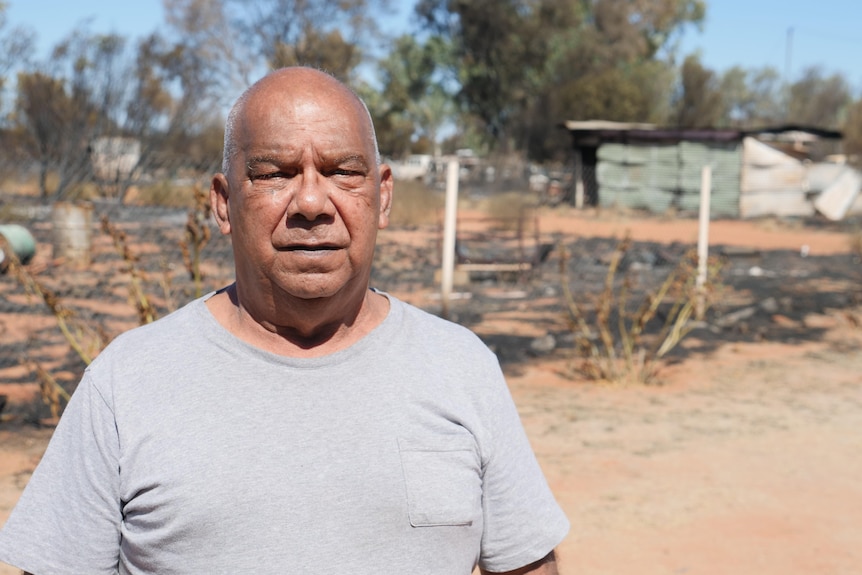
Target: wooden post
703,238
449,222
579,179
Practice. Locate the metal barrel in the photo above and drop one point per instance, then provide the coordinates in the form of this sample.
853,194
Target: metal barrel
72,230
20,241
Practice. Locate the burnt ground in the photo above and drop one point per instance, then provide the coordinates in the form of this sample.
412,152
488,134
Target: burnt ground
765,294
744,460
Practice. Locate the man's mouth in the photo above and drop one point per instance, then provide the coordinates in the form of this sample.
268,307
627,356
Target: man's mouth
315,248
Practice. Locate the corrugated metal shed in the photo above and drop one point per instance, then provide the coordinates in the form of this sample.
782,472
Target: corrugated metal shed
725,160
642,166
659,176
772,183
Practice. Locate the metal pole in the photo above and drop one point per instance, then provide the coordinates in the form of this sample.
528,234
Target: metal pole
449,222
703,237
788,72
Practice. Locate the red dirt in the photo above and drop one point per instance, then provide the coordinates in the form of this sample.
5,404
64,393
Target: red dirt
745,460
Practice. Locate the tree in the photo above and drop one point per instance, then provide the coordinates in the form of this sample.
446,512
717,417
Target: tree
765,96
170,107
752,97
63,108
640,29
495,61
518,60
412,101
204,28
818,100
41,108
98,112
174,107
324,50
853,134
16,45
699,102
328,34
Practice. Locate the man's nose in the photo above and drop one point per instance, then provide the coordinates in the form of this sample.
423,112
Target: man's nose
310,199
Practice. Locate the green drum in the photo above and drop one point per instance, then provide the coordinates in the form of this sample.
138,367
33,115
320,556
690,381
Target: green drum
19,241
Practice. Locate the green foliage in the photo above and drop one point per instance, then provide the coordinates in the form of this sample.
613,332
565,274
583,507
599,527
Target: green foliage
523,67
324,50
752,98
493,76
700,103
819,100
329,34
412,101
499,55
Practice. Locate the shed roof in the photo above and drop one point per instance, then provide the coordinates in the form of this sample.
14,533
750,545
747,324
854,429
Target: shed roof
595,132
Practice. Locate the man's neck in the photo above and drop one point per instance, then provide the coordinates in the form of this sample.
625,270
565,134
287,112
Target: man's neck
299,327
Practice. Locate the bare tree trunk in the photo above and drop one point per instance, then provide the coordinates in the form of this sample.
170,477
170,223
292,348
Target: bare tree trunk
43,182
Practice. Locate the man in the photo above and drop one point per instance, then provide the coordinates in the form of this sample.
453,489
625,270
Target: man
295,421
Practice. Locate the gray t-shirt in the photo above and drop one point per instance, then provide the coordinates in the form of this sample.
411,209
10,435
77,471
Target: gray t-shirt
187,450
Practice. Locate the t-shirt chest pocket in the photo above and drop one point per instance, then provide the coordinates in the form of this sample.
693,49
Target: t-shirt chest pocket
443,481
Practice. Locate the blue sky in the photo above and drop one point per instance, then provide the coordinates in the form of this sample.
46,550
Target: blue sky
754,33
749,33
54,19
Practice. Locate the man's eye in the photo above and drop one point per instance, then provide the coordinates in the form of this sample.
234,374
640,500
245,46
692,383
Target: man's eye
346,172
269,176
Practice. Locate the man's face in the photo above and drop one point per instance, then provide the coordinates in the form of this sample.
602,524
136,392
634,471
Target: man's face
305,196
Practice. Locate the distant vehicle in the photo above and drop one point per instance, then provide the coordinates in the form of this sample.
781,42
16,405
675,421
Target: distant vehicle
415,167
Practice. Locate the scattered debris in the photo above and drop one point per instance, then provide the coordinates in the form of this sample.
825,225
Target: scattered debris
735,317
543,345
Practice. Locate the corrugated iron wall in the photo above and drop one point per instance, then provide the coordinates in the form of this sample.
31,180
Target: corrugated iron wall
658,177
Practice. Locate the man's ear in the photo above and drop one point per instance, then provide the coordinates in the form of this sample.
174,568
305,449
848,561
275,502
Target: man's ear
219,196
387,185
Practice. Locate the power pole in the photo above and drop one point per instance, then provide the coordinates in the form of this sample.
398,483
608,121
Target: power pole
788,70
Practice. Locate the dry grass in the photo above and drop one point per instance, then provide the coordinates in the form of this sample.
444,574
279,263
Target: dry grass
85,338
856,242
415,204
163,193
509,210
26,186
197,236
623,341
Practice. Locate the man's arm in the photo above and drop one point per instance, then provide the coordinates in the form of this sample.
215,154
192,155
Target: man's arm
544,566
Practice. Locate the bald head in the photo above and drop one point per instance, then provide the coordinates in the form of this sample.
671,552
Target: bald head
296,83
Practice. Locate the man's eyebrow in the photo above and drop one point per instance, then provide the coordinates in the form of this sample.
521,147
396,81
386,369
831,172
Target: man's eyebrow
256,160
351,158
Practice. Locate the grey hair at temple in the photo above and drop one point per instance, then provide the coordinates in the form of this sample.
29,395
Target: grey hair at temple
230,149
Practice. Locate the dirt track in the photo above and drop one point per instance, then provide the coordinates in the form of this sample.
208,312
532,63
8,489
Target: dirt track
745,459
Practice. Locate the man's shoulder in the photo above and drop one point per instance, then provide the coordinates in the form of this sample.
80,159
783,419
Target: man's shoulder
431,324
421,330
174,328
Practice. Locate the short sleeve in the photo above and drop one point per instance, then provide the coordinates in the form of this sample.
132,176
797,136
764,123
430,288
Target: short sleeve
68,518
523,522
